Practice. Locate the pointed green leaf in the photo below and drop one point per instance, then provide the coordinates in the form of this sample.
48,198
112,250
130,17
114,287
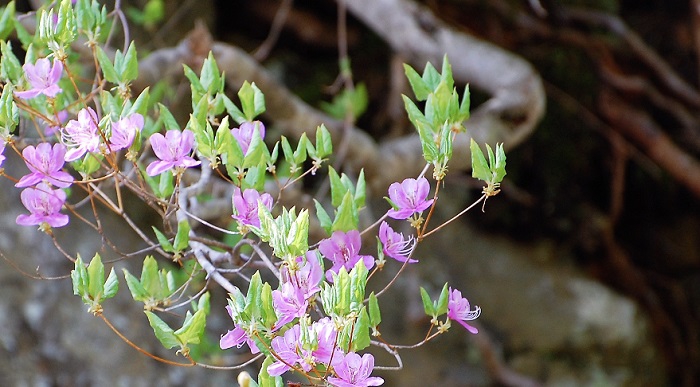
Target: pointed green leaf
431,77
7,21
264,379
111,285
79,278
346,218
164,242
210,76
323,217
168,120
163,332
360,194
135,287
427,303
418,85
500,167
193,328
182,237
441,307
338,189
464,106
10,68
233,110
107,67
150,278
140,106
96,277
324,144
480,168
375,316
130,65
361,339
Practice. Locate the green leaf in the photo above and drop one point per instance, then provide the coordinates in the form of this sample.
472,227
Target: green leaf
267,308
150,279
7,21
253,302
446,75
210,76
323,217
252,100
140,106
163,332
298,235
198,89
480,168
107,67
324,144
418,85
193,328
361,339
500,168
338,189
257,154
182,237
9,112
431,77
360,194
96,277
427,303
79,278
130,65
10,68
111,285
233,110
375,316
300,152
135,287
442,303
163,240
264,379
464,106
346,218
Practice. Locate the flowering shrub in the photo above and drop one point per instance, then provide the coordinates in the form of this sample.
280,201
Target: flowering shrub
94,139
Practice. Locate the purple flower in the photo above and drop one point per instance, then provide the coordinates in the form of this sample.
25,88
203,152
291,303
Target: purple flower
44,205
288,348
82,135
237,337
409,197
173,150
2,150
308,277
43,77
394,245
49,129
244,134
458,309
45,164
245,206
326,336
289,303
353,371
343,250
124,131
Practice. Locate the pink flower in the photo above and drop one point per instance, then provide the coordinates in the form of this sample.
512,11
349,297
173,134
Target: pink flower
82,135
409,197
394,245
237,337
458,309
173,150
308,277
49,129
2,150
353,371
343,250
288,348
244,134
124,131
245,206
45,164
289,303
43,78
44,205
